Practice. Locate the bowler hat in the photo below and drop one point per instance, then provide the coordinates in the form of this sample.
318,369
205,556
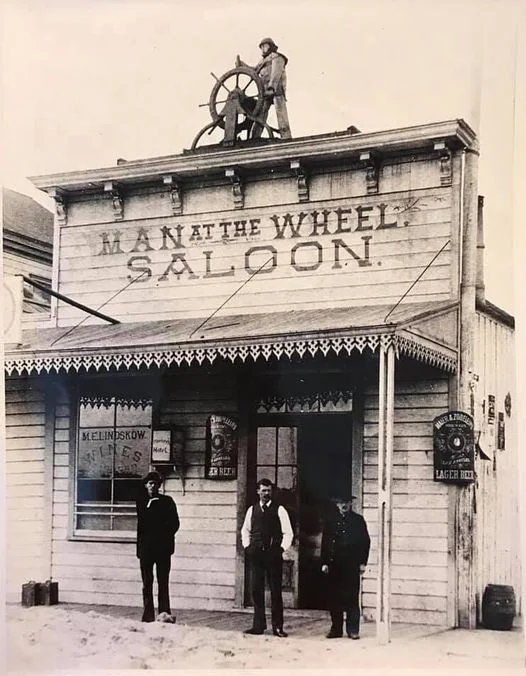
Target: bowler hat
153,476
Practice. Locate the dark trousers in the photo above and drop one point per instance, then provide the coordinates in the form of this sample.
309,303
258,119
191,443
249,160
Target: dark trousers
163,573
344,597
266,564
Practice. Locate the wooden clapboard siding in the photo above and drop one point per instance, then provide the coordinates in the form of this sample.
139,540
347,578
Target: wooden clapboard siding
420,506
306,270
20,265
497,488
26,533
204,562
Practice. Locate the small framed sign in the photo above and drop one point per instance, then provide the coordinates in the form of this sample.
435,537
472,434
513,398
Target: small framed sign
161,446
491,409
501,432
221,447
453,445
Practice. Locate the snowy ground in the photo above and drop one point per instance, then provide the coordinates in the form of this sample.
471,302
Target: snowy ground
66,639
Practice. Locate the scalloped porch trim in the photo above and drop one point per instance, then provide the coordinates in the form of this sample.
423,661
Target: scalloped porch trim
31,364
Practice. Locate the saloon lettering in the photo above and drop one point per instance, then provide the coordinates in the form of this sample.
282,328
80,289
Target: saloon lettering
345,231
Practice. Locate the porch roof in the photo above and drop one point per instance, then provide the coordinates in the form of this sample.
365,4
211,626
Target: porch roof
424,331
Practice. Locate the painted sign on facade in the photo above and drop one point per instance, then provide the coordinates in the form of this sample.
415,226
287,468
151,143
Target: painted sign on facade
221,447
328,253
453,444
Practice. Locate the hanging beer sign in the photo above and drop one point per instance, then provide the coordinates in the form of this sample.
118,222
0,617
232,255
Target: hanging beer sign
221,448
453,445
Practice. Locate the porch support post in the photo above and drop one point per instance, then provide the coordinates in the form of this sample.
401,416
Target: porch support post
385,464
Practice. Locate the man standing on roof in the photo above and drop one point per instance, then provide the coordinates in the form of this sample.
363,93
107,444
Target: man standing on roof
271,70
266,533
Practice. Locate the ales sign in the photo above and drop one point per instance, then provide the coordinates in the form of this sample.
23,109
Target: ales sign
453,444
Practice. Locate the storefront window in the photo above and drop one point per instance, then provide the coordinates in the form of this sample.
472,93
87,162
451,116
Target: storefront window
113,454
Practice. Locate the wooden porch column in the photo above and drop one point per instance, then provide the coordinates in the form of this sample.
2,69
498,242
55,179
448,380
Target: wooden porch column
385,509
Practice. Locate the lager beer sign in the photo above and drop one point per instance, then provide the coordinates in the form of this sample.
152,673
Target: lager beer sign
221,448
453,444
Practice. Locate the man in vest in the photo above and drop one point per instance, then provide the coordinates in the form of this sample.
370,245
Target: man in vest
344,554
266,533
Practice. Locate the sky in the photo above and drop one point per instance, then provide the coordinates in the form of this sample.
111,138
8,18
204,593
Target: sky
85,82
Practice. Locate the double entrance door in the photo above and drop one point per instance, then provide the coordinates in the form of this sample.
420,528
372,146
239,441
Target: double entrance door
308,458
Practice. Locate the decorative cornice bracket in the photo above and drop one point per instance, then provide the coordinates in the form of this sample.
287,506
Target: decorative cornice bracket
444,157
303,184
237,188
61,205
114,192
176,197
372,171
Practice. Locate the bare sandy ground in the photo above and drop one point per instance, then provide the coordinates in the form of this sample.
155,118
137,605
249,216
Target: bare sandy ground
53,638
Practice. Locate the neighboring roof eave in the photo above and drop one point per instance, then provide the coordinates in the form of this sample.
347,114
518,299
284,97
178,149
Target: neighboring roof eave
246,157
495,312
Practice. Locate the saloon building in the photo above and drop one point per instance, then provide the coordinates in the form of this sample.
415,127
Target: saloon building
303,310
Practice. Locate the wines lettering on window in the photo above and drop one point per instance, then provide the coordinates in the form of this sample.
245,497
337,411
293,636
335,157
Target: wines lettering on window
113,454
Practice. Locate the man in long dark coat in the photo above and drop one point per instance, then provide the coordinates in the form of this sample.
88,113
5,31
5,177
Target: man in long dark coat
344,554
157,524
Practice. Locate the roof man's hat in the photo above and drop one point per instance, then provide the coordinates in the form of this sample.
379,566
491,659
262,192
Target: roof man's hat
270,42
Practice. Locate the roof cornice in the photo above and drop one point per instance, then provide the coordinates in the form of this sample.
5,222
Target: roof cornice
254,156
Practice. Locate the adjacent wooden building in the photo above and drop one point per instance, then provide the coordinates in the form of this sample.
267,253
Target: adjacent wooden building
301,310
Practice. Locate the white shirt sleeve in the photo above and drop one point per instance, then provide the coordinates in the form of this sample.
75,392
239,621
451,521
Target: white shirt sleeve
286,528
245,528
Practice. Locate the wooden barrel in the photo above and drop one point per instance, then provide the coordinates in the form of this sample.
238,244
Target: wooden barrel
498,607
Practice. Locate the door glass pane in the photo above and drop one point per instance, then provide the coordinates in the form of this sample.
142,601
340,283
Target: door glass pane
287,478
266,472
287,442
266,453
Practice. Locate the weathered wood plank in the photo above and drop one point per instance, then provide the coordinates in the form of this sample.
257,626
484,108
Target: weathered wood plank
25,479
411,587
13,456
410,602
416,572
17,467
401,515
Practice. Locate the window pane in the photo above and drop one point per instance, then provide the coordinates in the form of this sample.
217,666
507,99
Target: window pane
132,452
124,523
89,490
266,453
96,416
93,522
287,442
134,415
95,453
126,490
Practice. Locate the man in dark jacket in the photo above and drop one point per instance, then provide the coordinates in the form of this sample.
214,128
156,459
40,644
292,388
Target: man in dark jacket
266,534
157,524
344,553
